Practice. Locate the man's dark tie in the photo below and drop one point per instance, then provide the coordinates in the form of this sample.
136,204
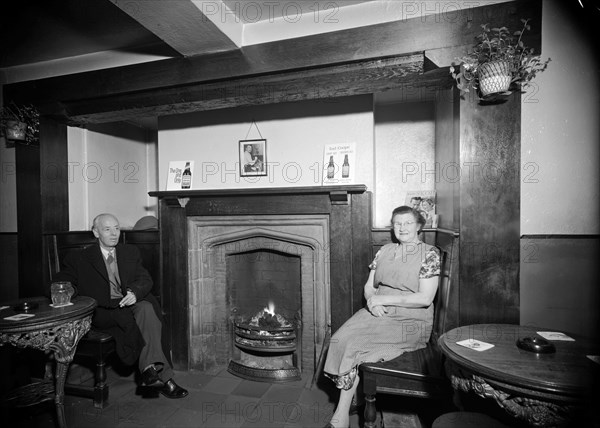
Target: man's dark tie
113,276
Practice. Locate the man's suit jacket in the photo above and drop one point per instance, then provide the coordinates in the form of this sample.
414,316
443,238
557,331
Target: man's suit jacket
87,272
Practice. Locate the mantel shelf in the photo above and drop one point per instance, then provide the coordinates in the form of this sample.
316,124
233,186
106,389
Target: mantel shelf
335,192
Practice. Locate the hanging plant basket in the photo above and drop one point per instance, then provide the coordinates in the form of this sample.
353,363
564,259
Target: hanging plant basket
494,77
497,64
15,130
19,124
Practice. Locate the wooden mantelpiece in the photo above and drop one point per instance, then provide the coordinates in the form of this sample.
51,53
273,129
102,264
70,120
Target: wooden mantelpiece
337,194
347,207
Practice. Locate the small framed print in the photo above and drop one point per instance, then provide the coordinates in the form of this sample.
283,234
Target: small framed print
253,158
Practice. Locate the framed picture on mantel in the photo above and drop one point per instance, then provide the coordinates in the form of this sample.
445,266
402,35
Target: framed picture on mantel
253,158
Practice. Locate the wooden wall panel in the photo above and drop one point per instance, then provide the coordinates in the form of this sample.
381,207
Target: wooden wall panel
490,152
29,221
9,266
559,283
448,169
361,246
340,270
174,260
54,176
54,180
42,202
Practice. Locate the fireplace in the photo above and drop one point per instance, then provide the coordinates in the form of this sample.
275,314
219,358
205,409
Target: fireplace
227,253
240,264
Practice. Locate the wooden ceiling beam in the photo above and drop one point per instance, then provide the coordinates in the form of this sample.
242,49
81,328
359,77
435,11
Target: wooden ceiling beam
180,24
362,77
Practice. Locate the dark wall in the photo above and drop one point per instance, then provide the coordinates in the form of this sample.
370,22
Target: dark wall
559,283
9,267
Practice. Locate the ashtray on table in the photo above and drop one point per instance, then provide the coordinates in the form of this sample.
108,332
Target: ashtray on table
536,344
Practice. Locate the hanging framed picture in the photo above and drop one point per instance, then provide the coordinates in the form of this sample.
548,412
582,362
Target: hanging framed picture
253,158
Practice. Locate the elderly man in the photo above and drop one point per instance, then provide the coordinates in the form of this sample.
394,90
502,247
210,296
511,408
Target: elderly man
112,273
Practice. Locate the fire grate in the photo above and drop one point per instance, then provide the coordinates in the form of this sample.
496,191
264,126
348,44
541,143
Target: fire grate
268,347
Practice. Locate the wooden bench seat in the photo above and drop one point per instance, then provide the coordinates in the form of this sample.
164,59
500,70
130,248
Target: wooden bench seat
97,346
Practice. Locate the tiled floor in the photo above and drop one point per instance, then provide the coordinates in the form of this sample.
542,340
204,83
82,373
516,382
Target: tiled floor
217,400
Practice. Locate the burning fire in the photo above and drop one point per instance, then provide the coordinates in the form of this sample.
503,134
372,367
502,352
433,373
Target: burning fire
270,309
268,318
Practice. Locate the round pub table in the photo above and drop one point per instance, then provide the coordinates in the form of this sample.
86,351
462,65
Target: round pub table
49,329
543,389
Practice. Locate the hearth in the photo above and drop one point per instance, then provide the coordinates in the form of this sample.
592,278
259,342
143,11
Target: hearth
268,346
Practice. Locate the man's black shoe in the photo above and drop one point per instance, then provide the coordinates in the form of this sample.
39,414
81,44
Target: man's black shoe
150,377
172,390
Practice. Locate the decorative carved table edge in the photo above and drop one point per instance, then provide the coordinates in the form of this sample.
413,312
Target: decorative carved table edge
536,412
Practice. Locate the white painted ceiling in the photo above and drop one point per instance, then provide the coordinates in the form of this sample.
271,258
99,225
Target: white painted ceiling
251,12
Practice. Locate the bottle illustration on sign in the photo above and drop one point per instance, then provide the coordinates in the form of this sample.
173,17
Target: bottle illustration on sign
186,180
330,168
345,167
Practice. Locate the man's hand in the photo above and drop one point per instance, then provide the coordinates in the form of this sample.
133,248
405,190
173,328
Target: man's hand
128,300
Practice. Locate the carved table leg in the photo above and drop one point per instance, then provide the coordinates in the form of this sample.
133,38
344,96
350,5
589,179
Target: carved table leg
59,393
64,348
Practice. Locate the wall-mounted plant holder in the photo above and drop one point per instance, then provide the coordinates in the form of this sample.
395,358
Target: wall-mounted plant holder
20,124
15,130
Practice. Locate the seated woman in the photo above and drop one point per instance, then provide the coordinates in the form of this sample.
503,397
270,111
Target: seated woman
399,314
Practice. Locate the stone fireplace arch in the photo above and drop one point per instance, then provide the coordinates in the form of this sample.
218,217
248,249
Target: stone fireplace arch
212,239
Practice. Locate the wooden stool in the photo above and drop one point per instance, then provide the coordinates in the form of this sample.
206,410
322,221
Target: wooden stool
97,346
466,420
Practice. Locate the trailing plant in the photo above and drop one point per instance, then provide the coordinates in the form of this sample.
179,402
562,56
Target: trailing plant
498,44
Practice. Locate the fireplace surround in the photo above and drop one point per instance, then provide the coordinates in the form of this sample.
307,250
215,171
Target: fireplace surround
220,251
328,228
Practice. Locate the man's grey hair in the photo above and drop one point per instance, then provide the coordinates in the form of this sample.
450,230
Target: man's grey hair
98,217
